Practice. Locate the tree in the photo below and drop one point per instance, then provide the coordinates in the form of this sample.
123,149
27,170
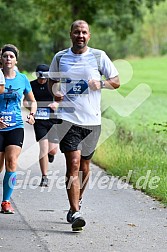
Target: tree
110,16
40,27
155,26
20,25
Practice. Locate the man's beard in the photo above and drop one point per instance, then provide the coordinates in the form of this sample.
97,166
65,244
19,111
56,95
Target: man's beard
79,46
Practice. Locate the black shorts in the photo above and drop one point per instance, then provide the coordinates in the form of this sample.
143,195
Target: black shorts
74,137
46,129
11,137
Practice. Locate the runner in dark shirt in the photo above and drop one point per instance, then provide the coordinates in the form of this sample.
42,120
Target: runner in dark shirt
45,120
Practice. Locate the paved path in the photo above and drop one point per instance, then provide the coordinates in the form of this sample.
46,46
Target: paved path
118,220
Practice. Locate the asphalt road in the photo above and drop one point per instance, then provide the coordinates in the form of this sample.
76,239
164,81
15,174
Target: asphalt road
119,219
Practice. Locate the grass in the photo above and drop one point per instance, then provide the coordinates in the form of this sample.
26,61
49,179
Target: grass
139,142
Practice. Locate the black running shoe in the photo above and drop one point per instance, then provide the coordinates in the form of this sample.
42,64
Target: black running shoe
44,181
78,222
70,212
69,216
50,158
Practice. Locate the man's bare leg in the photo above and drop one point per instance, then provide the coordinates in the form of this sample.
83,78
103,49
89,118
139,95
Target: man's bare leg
84,175
73,183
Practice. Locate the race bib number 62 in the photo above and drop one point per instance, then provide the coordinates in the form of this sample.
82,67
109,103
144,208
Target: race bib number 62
77,88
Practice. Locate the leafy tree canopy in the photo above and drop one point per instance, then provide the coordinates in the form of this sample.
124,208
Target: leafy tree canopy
39,28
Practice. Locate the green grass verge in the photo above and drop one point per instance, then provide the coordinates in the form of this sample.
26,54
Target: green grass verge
139,143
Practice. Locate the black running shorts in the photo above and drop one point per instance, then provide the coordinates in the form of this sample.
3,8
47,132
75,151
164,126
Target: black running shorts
46,129
11,137
74,137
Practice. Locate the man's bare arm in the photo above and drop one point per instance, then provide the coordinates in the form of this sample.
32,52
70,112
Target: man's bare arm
54,89
111,83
